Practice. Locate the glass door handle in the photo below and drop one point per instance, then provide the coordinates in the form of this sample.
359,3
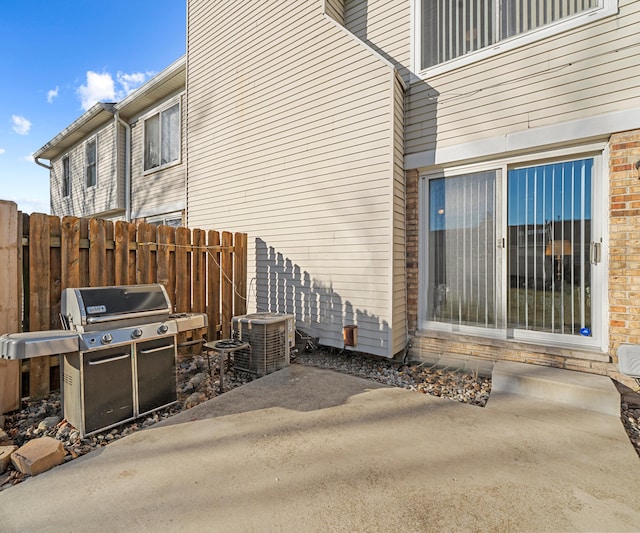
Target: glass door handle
595,252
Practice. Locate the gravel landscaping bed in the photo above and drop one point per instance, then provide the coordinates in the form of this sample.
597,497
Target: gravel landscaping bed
197,382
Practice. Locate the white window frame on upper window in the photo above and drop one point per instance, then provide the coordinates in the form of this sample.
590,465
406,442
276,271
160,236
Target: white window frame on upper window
159,113
66,176
93,140
605,8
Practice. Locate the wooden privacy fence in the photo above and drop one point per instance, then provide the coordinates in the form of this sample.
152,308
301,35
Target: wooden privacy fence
202,271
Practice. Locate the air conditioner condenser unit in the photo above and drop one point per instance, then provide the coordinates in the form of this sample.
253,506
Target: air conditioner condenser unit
271,337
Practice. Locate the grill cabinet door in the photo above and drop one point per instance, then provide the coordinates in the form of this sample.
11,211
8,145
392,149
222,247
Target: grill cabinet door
156,374
108,387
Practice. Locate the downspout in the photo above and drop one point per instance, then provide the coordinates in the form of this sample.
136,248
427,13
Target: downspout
38,162
127,166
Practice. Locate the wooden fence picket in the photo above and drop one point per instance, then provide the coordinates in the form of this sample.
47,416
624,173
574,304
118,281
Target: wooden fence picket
199,280
213,275
55,276
70,252
240,274
167,260
227,283
84,252
10,300
97,252
39,299
183,270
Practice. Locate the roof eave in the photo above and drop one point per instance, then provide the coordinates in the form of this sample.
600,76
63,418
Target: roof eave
96,116
169,81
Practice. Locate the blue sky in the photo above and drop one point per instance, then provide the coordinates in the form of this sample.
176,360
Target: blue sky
59,57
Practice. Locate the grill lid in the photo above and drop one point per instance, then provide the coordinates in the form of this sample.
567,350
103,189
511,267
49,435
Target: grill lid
95,305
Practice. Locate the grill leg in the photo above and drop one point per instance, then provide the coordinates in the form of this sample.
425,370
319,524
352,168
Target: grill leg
222,354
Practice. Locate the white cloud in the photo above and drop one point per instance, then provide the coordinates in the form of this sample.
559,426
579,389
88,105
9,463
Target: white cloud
103,88
52,94
2,151
29,158
20,125
130,82
99,88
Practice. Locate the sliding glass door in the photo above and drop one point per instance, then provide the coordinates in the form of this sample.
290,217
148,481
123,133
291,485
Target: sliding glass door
549,242
515,257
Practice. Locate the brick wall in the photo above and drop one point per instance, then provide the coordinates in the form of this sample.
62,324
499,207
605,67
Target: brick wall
412,247
624,240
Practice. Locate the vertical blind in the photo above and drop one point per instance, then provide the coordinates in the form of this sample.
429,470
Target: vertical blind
452,28
520,16
462,253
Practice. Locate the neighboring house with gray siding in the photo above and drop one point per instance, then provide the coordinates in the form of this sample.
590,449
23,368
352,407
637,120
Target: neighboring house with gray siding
124,160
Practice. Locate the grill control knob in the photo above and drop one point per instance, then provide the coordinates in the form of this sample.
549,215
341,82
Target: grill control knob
106,338
163,328
136,333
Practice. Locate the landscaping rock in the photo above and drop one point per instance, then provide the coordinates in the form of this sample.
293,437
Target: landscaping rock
38,455
195,399
5,457
48,422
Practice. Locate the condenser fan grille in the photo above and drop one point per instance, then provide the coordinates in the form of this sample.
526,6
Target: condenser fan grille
268,338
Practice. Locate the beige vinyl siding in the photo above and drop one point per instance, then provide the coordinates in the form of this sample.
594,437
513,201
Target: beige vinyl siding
588,71
385,25
59,205
335,9
107,196
160,191
399,217
289,140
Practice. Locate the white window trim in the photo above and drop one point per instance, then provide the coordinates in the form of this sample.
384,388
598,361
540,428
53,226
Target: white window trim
162,219
608,8
147,116
600,301
84,174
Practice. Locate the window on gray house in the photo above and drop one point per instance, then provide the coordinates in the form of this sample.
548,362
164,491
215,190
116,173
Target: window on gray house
66,177
453,28
162,138
91,168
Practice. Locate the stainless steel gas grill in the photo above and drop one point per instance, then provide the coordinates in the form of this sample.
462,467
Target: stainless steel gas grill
118,352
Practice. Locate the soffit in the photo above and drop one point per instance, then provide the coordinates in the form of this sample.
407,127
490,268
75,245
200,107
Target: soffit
169,81
77,131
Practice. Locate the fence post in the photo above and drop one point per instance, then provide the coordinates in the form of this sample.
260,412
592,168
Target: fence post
227,283
39,297
10,302
240,274
213,285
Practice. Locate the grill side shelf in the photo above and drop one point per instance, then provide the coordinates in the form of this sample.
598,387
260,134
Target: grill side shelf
37,344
